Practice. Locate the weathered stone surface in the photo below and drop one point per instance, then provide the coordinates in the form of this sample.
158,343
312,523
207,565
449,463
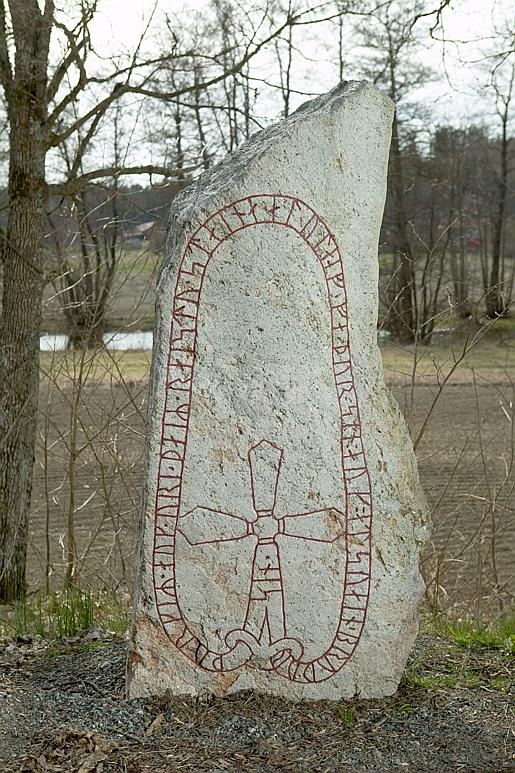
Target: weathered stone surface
282,513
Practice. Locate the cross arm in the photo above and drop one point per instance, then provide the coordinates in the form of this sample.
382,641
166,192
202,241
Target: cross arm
203,525
325,525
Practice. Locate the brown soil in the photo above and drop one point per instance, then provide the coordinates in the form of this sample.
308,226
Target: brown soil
466,464
465,460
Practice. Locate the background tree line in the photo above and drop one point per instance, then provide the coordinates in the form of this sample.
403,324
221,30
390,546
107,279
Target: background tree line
451,202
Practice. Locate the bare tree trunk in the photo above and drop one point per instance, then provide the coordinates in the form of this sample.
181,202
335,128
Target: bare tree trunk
22,289
495,304
285,67
246,101
198,118
402,306
339,8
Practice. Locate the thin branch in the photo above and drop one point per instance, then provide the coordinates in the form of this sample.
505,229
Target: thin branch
70,187
120,89
74,48
82,81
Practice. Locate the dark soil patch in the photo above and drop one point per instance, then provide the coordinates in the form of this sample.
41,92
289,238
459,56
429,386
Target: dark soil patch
65,711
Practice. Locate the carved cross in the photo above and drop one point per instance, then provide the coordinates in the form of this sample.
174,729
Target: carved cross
265,620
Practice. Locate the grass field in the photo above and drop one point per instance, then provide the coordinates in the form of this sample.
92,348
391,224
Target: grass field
491,359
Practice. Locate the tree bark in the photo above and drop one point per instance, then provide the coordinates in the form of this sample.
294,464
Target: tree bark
402,310
495,305
22,289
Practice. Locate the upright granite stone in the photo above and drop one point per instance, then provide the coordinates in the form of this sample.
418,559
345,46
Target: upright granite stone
282,514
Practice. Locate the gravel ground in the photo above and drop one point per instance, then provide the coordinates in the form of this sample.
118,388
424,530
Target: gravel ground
62,709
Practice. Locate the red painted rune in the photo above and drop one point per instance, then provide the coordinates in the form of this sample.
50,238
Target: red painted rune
263,635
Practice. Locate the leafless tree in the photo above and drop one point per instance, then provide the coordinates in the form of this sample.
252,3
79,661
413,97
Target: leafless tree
48,105
502,82
390,63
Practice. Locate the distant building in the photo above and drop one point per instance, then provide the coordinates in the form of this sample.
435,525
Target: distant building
140,232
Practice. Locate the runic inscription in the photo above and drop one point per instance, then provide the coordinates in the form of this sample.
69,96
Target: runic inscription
263,636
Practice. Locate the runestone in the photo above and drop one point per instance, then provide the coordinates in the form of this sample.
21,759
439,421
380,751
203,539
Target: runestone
282,515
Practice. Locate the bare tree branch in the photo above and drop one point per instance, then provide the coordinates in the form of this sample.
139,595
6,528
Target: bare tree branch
75,45
73,185
126,87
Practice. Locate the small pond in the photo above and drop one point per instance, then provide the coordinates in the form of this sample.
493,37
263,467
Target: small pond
140,339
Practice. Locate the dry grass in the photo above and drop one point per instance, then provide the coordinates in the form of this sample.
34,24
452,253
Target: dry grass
104,366
490,360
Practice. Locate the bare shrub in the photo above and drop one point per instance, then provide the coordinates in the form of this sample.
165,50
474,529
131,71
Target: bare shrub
458,398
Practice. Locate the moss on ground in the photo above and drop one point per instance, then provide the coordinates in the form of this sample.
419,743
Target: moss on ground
499,634
463,655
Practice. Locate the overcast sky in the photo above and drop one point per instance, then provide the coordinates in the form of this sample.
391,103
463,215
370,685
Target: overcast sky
471,22
449,98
